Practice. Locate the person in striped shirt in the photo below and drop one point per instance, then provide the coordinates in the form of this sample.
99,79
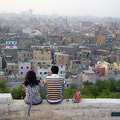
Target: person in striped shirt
54,86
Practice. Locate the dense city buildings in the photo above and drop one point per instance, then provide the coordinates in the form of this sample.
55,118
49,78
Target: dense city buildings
85,49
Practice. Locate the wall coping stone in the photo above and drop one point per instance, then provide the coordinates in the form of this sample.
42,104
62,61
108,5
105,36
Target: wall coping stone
5,98
92,109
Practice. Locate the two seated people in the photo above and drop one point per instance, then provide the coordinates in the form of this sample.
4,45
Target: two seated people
54,87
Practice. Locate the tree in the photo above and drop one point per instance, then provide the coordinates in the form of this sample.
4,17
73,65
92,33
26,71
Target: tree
87,83
3,87
18,93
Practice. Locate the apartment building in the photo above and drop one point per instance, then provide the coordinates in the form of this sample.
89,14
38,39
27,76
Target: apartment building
43,70
24,55
66,49
12,68
101,39
43,54
10,53
109,68
77,66
83,54
23,68
61,59
116,65
99,71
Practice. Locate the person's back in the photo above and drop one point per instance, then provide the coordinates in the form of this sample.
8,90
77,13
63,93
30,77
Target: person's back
54,90
33,95
32,89
54,86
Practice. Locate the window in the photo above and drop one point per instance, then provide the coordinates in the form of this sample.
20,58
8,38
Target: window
21,67
21,72
45,72
40,72
27,67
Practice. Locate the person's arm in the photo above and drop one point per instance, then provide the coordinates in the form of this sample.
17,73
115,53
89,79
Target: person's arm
44,81
24,88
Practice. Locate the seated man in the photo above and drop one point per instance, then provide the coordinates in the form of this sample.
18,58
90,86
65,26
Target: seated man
54,85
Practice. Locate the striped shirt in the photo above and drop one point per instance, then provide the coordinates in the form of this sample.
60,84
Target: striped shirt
54,88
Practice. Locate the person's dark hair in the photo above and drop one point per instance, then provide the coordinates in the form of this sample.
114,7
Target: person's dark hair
30,79
54,69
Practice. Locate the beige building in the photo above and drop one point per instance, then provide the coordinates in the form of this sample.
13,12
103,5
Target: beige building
42,54
116,65
101,39
61,59
24,55
108,67
12,68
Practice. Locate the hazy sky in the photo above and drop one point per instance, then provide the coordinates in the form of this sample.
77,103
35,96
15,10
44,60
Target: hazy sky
101,8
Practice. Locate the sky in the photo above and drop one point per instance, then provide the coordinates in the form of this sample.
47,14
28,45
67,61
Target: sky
97,8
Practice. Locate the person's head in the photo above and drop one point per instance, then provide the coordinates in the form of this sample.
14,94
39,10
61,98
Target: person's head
54,70
30,79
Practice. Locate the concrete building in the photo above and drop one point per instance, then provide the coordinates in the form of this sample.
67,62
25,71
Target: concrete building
23,68
42,70
101,39
39,62
10,53
83,54
99,71
24,55
109,68
66,49
12,68
43,54
61,59
89,75
116,65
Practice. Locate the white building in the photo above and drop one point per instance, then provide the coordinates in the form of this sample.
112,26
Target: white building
42,71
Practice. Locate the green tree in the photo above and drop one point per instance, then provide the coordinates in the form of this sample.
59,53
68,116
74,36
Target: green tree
18,93
3,87
87,83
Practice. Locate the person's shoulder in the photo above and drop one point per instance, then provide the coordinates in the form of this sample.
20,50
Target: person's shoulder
49,77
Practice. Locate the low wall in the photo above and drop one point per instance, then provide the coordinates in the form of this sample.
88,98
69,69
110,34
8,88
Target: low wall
92,109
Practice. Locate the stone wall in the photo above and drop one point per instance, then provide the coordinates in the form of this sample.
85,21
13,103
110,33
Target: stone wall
87,109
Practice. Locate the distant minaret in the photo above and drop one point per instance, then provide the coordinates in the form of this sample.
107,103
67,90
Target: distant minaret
30,12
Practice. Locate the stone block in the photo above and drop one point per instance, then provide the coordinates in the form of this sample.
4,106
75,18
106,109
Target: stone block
5,98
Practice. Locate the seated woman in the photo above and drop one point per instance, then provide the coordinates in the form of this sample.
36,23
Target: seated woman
32,89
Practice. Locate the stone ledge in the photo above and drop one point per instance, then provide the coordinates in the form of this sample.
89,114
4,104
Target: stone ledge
84,104
92,109
5,98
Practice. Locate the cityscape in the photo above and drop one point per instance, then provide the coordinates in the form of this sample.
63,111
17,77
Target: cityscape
82,38
85,48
